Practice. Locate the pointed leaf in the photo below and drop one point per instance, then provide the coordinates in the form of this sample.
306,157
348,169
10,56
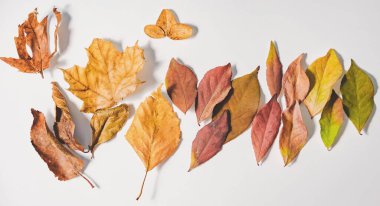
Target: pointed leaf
274,70
265,127
154,31
331,120
293,133
242,102
323,74
181,85
180,32
166,20
358,96
212,89
295,82
209,140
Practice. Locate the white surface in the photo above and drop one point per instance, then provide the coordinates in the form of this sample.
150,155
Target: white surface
228,31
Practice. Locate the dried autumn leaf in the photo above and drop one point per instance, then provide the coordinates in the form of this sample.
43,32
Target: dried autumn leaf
180,32
358,96
242,102
295,82
331,120
35,35
323,74
154,133
64,125
110,75
181,85
293,133
209,140
274,70
106,123
265,127
212,89
154,31
166,20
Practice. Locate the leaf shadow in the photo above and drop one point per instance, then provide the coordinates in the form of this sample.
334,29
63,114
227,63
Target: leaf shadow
375,87
234,72
308,121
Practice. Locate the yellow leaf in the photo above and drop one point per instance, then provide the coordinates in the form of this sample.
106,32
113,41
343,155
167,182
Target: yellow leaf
154,133
323,74
110,75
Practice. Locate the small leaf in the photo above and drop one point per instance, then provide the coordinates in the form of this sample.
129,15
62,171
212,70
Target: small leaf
295,82
180,32
154,31
106,123
154,133
64,125
358,96
331,120
166,20
323,74
274,70
181,85
209,140
242,102
293,133
265,127
212,89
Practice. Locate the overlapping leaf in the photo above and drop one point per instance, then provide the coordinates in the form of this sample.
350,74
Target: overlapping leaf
242,102
110,75
358,96
274,70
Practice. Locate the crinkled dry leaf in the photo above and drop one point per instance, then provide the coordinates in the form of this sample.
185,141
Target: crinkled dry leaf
35,35
180,32
295,82
166,20
265,127
212,89
331,120
106,123
293,133
64,125
154,133
358,96
242,102
181,85
154,31
209,140
110,75
274,70
323,74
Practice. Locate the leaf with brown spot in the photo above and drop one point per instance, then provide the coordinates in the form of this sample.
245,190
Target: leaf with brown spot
181,85
274,70
295,82
106,123
34,34
209,140
212,89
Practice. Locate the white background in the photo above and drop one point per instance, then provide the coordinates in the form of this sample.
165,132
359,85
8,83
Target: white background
227,31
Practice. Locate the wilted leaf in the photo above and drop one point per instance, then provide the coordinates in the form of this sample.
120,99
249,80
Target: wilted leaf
242,102
265,127
64,125
331,120
358,96
295,82
110,75
154,133
293,133
35,35
181,85
106,123
274,70
209,140
212,89
323,74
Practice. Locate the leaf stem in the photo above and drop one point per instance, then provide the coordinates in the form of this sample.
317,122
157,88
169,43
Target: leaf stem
142,186
87,180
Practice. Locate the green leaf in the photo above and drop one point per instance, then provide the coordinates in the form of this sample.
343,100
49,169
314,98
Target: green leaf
358,96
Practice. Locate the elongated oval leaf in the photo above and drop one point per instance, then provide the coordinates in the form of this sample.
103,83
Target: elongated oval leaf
323,74
154,133
331,120
212,89
209,140
181,85
295,82
274,70
293,133
265,127
242,102
358,96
